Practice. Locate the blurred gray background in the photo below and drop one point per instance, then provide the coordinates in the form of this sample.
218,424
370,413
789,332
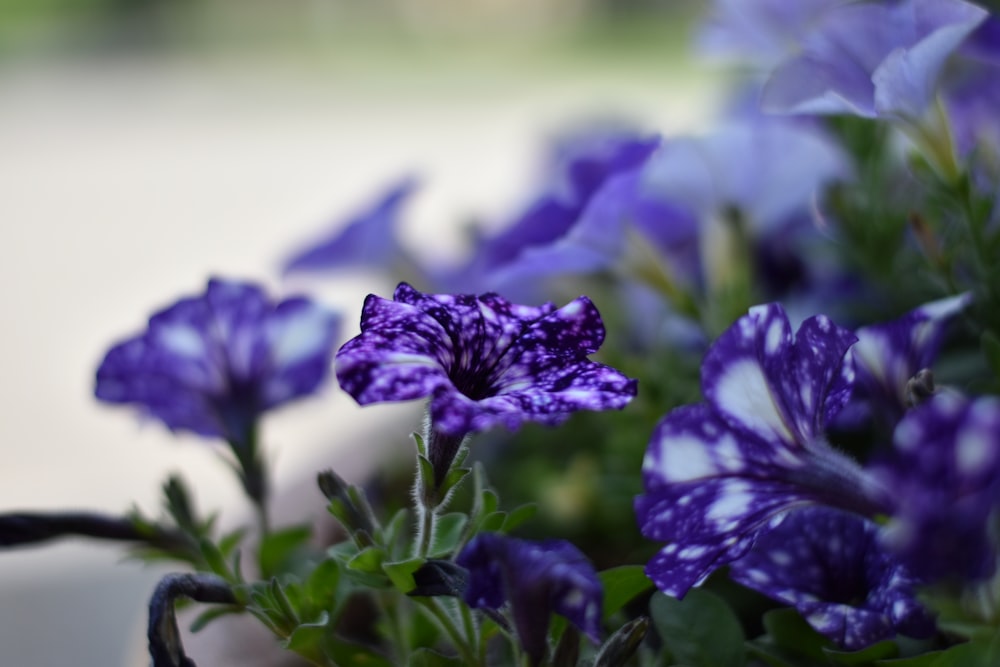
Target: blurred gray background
148,144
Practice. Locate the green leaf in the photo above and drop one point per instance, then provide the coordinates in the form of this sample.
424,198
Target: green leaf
984,651
277,551
788,630
700,630
348,654
622,585
321,586
367,560
453,479
401,573
308,639
209,615
214,559
425,657
492,522
449,532
519,515
865,656
421,445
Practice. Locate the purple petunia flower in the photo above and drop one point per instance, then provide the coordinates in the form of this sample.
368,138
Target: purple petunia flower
368,240
888,356
718,474
831,567
212,363
482,360
945,478
872,58
537,578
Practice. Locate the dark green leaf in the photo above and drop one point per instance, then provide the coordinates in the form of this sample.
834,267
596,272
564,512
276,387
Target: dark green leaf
788,630
449,532
700,630
278,550
401,573
425,657
879,651
209,615
622,585
308,639
519,515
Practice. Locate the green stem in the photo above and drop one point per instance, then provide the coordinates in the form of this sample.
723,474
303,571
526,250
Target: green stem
444,620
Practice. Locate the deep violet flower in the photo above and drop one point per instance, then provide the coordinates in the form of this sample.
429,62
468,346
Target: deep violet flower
213,363
538,579
872,58
482,360
945,475
831,566
720,473
369,239
888,356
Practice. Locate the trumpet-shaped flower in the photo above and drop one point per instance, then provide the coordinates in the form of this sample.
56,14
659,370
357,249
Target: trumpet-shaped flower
718,474
213,363
872,58
831,566
945,477
482,360
538,579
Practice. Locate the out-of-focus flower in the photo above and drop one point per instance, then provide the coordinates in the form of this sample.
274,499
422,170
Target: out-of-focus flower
369,240
583,164
872,58
212,363
831,567
538,579
718,474
482,360
759,33
888,356
945,479
765,171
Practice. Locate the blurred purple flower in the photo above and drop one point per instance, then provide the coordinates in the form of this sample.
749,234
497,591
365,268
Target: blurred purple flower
872,58
213,363
760,33
944,473
718,474
767,170
482,360
538,579
888,355
368,240
830,566
583,164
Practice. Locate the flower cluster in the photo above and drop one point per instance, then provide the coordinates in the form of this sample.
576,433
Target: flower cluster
796,404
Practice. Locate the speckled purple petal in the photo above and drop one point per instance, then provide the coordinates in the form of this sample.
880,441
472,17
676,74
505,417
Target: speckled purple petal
483,360
830,566
717,474
211,364
538,578
782,388
945,476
